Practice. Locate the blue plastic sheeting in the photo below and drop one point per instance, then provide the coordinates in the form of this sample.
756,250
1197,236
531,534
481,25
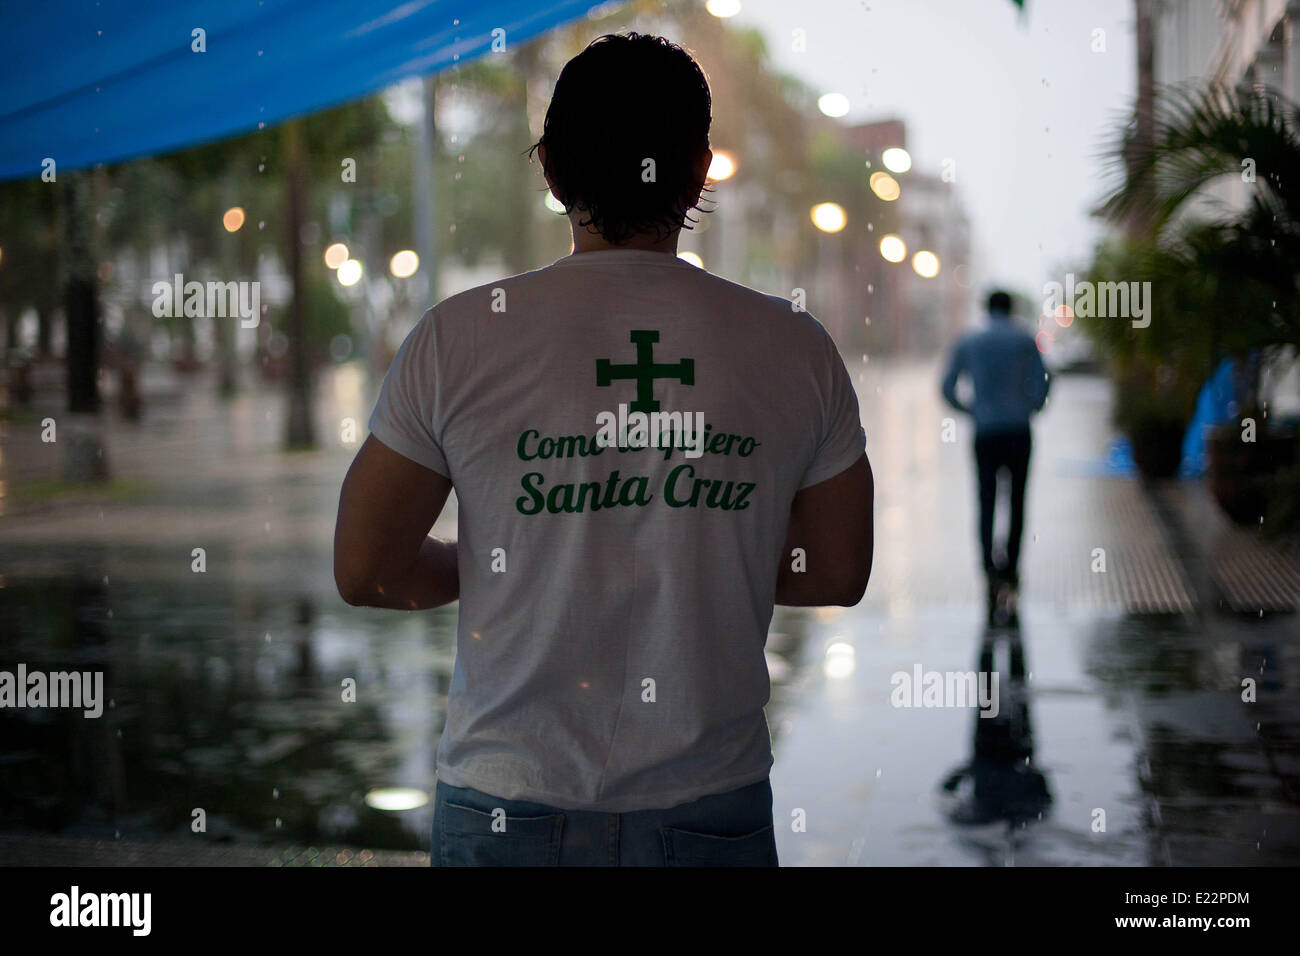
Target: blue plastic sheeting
88,82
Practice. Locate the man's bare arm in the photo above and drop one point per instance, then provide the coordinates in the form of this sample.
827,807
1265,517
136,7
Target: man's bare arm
383,556
832,523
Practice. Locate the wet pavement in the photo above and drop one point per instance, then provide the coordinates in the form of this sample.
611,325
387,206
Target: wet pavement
1120,705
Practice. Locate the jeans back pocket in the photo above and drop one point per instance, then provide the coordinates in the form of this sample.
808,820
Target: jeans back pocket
687,848
467,837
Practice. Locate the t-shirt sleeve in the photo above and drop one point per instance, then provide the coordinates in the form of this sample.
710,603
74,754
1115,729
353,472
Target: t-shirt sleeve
843,439
405,416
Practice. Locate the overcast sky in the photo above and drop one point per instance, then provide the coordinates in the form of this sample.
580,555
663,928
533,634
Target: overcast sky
1021,103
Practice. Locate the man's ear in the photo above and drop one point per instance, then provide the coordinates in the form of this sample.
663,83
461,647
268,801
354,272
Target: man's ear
541,157
702,165
701,170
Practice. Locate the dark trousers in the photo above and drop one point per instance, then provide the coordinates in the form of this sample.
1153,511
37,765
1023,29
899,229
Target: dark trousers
995,452
472,828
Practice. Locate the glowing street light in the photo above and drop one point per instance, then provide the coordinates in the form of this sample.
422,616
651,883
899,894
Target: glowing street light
404,264
233,219
349,273
723,8
829,216
722,167
892,248
336,255
884,185
925,264
896,159
834,105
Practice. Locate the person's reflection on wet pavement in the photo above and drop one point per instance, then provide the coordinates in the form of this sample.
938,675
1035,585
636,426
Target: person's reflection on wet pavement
1000,782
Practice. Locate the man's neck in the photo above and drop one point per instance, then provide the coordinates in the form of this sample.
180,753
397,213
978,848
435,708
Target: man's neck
584,240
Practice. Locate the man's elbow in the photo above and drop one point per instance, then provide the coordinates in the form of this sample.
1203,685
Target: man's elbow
352,590
849,592
852,596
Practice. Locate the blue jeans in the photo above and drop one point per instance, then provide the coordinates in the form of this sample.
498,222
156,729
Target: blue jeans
725,829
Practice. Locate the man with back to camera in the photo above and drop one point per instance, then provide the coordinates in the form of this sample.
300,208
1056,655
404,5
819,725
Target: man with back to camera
1010,383
637,449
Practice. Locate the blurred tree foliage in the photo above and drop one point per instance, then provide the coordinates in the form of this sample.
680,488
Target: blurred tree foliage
1220,286
158,216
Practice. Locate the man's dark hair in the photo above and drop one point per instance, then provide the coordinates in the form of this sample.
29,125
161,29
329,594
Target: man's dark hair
624,99
1000,302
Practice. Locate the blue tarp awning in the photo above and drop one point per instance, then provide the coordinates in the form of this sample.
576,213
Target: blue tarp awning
86,82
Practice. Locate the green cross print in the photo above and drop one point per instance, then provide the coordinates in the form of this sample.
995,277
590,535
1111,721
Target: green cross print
645,371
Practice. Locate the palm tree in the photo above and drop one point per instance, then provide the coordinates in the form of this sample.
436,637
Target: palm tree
1202,136
1228,283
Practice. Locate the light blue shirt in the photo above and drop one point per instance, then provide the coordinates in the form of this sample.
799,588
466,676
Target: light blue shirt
1007,372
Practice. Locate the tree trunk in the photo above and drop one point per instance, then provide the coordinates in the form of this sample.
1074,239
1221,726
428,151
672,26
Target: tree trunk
85,457
520,197
81,300
223,329
426,199
1139,224
301,432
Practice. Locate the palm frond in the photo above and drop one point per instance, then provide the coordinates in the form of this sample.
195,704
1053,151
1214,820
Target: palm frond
1200,135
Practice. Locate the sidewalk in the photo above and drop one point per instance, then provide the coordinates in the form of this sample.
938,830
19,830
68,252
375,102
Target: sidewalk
1133,695
226,683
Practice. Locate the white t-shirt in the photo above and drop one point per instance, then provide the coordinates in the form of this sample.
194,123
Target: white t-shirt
614,603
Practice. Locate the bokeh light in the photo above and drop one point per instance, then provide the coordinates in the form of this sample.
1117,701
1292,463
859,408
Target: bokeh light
841,660
404,264
396,798
925,264
833,104
723,8
349,272
722,167
692,258
829,216
884,185
1044,341
553,204
1064,316
336,255
896,159
233,219
892,248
